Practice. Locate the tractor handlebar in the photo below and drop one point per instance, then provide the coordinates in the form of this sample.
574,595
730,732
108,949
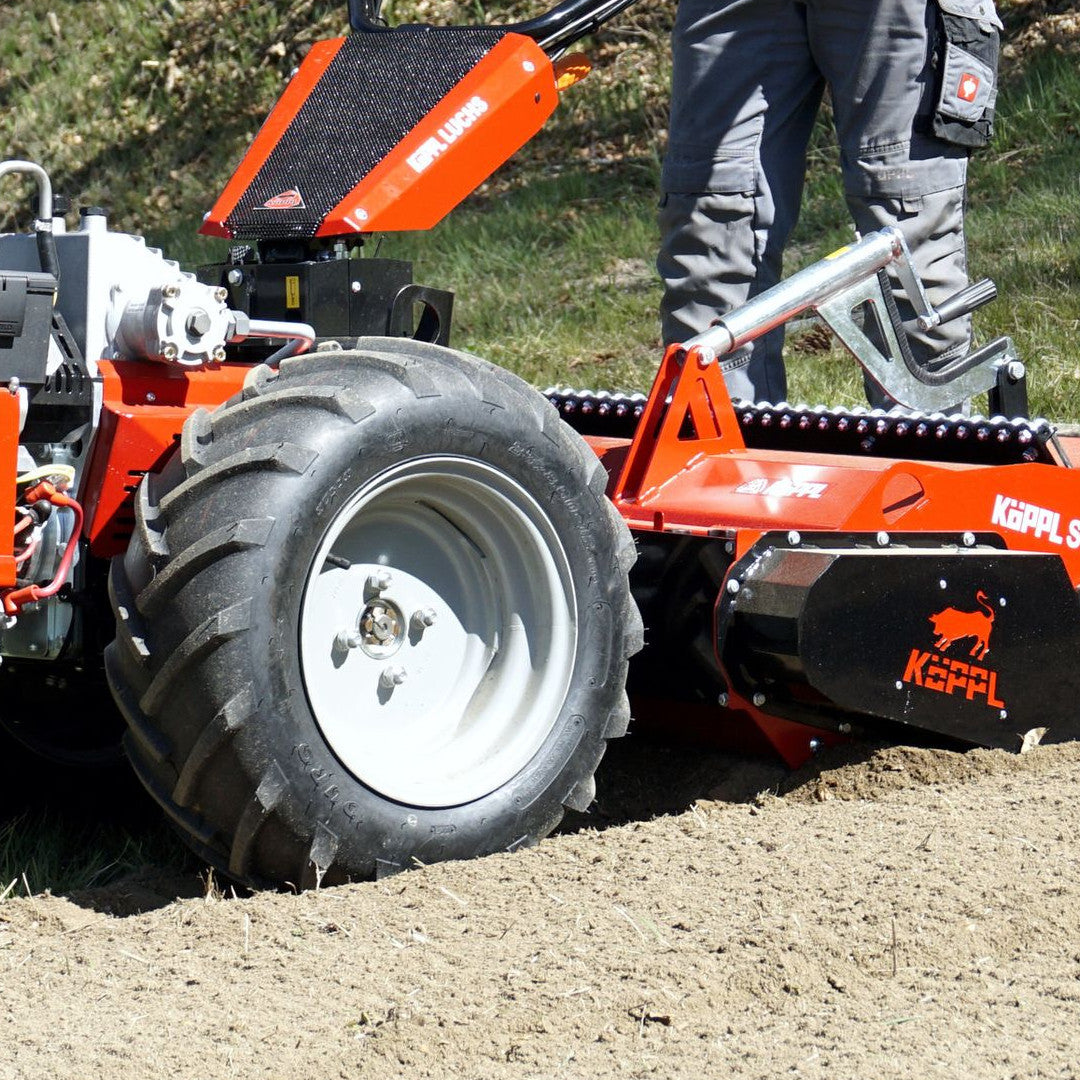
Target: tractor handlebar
554,30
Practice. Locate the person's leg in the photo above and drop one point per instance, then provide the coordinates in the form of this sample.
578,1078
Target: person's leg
877,61
744,95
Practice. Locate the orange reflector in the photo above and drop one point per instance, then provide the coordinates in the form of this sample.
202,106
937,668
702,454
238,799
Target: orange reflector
571,69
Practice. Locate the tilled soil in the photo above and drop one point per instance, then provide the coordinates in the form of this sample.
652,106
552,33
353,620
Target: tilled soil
893,913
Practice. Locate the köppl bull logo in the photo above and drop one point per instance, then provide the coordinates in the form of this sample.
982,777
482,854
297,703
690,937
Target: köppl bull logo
949,675
952,625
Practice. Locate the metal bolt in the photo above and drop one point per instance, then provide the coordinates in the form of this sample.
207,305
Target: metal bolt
722,701
199,322
794,538
883,539
528,65
221,295
899,685
968,539
170,351
815,745
733,586
943,584
170,292
844,729
706,357
356,286
1004,714
234,277
759,699
151,397
1015,370
347,639
379,581
391,676
423,618
219,353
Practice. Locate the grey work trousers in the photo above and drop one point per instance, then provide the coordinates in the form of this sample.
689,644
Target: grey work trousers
747,83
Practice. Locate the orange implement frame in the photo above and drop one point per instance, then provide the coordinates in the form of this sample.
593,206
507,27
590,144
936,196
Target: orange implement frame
145,406
688,471
9,451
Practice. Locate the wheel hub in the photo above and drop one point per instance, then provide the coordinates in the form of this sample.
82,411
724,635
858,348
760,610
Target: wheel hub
382,628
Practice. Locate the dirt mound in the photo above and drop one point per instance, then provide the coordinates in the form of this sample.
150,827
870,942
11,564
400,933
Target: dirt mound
920,921
849,773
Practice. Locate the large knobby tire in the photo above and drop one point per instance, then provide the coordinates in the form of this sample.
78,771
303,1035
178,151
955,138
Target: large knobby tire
375,614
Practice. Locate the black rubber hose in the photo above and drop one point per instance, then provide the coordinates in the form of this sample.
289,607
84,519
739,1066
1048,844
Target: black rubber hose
46,245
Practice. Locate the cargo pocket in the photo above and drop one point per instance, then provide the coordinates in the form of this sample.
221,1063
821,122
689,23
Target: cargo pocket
966,63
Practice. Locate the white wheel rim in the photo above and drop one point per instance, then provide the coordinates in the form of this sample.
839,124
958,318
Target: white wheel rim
482,686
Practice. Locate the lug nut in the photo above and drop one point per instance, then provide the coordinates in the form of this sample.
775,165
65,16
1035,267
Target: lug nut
379,581
423,618
391,677
347,639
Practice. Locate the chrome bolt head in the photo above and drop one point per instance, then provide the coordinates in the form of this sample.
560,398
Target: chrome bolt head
391,676
198,322
379,581
347,639
423,618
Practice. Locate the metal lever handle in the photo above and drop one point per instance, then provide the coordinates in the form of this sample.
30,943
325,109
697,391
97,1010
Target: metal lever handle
962,303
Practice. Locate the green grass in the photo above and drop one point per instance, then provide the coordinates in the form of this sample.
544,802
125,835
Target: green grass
49,851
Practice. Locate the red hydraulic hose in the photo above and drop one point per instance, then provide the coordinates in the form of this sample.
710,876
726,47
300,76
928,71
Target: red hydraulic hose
14,600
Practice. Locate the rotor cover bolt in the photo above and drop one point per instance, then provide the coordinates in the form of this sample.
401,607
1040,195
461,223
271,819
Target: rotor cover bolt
424,618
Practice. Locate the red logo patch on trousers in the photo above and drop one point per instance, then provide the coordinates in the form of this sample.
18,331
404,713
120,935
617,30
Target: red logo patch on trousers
968,87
